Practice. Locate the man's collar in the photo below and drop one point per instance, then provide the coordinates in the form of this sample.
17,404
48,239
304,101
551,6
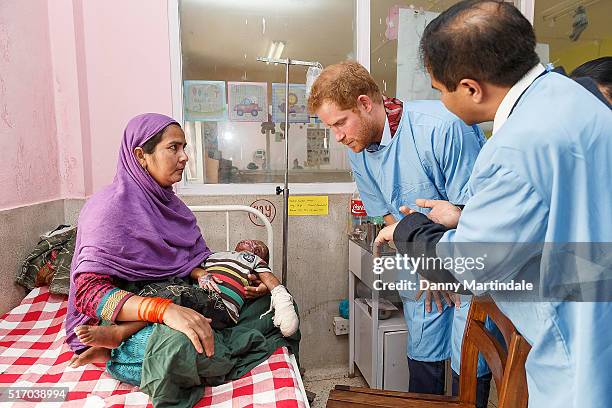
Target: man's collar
386,136
506,105
384,141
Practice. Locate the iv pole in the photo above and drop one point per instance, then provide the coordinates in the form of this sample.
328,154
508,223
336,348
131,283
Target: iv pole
285,192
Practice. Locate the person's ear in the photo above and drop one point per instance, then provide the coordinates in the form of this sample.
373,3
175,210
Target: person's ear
364,102
140,156
472,90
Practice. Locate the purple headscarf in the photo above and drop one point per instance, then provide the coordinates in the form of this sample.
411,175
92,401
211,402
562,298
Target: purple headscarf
134,229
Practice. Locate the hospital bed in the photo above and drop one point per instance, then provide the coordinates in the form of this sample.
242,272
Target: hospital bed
34,357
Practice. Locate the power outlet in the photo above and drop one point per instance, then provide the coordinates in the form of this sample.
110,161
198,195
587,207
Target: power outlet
341,325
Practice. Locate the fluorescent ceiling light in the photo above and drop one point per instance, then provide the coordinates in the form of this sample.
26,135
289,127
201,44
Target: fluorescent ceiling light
564,8
280,46
272,50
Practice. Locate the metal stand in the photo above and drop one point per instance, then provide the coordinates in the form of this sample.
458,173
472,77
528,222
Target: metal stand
285,191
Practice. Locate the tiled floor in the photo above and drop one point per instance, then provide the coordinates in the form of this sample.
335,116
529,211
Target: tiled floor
322,386
321,382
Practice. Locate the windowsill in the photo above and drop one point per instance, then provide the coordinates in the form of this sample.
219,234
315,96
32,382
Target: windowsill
265,189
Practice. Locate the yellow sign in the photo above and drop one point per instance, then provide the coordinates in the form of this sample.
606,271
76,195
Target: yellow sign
308,205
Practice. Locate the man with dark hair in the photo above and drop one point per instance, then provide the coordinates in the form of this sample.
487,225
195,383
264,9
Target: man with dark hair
543,177
596,76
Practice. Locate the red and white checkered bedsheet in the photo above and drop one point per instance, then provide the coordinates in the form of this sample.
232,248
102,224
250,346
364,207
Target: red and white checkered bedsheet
33,354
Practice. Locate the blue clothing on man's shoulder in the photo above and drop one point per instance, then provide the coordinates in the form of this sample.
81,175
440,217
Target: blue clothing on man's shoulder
544,178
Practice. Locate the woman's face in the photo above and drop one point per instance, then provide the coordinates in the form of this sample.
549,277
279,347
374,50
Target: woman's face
167,162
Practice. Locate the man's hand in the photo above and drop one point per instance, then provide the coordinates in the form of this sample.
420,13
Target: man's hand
437,297
385,235
442,212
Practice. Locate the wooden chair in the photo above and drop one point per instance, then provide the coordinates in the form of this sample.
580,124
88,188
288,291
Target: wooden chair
507,368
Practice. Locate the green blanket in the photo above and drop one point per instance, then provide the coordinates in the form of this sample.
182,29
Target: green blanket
174,374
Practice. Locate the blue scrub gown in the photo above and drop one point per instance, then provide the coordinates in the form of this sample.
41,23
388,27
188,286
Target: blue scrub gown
545,177
431,156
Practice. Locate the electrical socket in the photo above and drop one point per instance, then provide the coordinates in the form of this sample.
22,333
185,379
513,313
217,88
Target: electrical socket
341,325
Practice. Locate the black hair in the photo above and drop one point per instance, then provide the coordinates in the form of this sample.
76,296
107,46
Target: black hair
484,40
600,70
149,146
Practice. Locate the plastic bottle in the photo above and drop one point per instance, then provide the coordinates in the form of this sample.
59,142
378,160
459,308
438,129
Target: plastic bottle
358,218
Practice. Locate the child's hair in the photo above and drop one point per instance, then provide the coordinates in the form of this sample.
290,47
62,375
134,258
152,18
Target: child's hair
257,247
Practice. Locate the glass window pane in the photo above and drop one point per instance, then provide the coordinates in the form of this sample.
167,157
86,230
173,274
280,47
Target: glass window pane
386,25
392,21
234,105
570,33
397,69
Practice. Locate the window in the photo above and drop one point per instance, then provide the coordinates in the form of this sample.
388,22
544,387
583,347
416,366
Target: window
397,69
572,32
233,104
396,22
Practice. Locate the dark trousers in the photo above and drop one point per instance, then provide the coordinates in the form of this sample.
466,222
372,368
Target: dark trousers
483,386
426,377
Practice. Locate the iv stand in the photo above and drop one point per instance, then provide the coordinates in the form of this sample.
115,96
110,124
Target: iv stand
285,192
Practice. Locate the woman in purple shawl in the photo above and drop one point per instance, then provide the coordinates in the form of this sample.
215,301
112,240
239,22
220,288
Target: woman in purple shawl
137,229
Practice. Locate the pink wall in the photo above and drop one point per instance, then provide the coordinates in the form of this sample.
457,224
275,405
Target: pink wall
72,73
128,72
70,99
29,154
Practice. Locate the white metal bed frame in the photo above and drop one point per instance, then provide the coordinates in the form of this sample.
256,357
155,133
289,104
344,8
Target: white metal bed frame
270,242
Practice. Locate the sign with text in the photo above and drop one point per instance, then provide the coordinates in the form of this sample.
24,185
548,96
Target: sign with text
266,208
308,205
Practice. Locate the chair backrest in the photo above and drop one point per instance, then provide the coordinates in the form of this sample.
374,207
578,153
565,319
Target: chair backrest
507,364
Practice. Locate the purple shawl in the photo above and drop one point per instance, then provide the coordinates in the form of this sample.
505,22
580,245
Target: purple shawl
134,229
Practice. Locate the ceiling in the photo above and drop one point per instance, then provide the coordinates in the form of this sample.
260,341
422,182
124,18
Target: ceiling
222,39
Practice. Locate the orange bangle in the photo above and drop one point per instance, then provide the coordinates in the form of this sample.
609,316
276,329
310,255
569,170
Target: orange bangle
162,310
141,315
155,309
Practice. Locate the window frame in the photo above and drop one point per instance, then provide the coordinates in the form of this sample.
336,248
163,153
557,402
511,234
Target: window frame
362,53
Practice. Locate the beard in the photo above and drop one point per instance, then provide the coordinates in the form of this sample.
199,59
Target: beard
367,134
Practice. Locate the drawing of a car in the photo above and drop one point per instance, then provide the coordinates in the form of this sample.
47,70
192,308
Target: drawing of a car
247,106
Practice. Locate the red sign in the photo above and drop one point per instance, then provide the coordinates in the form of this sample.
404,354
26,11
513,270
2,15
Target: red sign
266,208
358,209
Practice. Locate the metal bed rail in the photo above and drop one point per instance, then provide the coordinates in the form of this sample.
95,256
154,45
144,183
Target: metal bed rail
235,208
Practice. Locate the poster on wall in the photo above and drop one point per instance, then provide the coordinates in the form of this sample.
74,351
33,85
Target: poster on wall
247,101
297,103
205,100
413,82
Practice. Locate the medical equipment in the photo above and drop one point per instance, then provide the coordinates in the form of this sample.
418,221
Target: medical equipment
285,191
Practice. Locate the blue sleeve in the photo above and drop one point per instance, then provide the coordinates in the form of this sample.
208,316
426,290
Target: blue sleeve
505,208
456,148
369,192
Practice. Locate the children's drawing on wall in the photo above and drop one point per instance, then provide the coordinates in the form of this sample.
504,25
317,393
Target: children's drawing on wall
317,147
297,103
413,82
248,101
205,100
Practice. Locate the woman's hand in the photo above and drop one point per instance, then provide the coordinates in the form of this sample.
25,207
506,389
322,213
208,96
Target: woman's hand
257,288
193,325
